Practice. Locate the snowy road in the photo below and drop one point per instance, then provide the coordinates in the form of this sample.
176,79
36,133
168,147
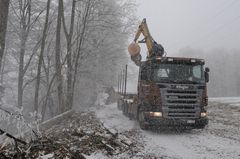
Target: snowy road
219,140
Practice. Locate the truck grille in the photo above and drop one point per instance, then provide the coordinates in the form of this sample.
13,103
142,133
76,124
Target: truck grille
181,103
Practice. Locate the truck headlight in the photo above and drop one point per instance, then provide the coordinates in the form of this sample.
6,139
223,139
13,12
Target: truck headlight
203,114
155,114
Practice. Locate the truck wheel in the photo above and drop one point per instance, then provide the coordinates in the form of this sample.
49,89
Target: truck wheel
123,109
130,116
118,105
142,123
200,127
126,109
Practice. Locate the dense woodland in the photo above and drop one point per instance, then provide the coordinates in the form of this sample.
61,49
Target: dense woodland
57,55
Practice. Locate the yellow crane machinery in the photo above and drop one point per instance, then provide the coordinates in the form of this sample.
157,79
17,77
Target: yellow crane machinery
154,49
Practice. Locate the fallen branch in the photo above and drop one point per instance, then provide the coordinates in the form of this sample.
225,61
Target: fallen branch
21,117
12,137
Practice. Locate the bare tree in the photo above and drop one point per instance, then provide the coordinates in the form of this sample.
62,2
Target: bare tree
25,16
4,5
49,82
58,59
40,59
69,37
80,43
25,20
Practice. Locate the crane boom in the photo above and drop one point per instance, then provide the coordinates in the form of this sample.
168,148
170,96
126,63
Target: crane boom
143,29
154,49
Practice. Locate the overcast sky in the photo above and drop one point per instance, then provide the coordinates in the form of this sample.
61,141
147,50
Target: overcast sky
203,24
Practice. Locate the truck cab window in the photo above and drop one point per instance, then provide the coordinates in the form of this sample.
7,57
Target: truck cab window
197,72
162,72
178,73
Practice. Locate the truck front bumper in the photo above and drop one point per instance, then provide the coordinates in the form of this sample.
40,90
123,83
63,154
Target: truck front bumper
198,123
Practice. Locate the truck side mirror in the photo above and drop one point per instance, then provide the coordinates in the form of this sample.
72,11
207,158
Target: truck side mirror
206,73
207,69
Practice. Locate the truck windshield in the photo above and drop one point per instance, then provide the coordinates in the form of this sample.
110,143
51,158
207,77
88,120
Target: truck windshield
178,73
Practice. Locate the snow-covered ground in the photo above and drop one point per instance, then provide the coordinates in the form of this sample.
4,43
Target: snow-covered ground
227,100
219,140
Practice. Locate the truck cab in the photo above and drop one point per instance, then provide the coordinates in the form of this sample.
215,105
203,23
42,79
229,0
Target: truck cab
172,91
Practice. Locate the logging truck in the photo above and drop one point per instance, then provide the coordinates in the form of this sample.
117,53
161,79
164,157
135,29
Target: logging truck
171,91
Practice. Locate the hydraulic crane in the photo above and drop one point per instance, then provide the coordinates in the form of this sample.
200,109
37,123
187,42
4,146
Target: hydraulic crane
154,49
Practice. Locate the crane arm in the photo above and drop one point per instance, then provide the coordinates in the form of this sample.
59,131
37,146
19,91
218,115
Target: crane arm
153,47
137,34
143,29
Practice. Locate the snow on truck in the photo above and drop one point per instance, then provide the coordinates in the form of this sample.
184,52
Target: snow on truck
172,91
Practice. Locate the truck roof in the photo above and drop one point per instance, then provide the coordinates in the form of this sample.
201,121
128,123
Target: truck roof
176,60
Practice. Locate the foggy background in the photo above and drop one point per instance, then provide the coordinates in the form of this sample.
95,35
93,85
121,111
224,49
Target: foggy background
203,29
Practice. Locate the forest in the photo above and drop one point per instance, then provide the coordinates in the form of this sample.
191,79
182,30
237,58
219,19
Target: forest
58,55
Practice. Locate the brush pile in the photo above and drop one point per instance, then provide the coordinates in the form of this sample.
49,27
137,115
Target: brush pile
72,135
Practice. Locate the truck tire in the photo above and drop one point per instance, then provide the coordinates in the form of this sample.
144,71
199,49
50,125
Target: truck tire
123,109
126,109
118,105
142,122
200,127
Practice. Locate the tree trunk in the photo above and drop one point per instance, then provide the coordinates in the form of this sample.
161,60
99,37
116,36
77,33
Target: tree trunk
4,5
69,100
80,43
21,68
40,60
25,20
58,59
